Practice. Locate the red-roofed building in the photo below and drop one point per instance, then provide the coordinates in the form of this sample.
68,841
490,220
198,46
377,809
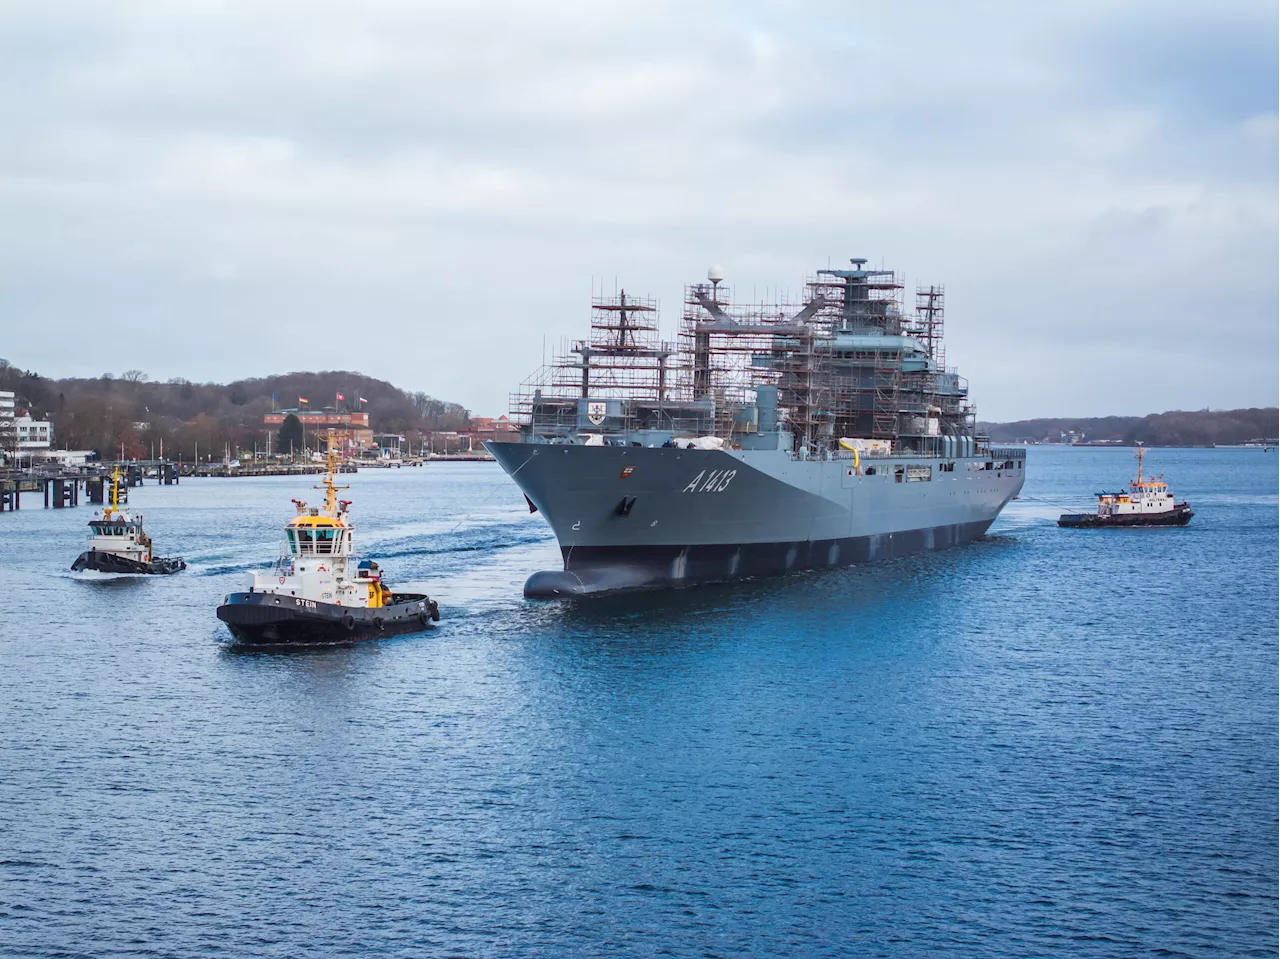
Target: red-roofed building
350,429
491,430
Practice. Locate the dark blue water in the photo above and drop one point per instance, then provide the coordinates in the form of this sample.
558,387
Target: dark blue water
1050,743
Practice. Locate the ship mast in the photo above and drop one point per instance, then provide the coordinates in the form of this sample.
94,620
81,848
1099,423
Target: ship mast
328,485
115,492
1139,454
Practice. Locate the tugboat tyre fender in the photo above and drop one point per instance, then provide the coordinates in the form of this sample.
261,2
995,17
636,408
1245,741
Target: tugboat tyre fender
435,611
349,621
423,618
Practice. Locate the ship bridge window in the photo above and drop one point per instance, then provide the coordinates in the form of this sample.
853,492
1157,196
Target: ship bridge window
304,541
324,541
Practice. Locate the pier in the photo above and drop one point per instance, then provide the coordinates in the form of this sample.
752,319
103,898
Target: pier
268,469
63,488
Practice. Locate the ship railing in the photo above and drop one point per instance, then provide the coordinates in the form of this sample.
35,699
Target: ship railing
1009,452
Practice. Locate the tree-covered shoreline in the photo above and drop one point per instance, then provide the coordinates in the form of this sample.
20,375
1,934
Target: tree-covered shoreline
105,412
1172,428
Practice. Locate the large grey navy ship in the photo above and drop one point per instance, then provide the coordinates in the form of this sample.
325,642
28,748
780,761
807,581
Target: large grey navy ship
766,439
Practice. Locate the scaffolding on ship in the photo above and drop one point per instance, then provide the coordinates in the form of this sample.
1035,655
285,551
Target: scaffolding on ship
848,362
624,365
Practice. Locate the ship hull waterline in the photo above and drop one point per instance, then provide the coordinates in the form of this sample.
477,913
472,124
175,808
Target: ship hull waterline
644,518
268,619
102,562
1179,516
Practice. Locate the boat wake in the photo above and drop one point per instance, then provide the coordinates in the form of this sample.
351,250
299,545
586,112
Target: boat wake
97,576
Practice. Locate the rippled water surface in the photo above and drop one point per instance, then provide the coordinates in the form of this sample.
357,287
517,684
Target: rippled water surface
1049,743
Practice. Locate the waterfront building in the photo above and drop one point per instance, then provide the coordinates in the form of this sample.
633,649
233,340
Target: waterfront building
65,458
8,438
33,435
489,429
389,445
350,428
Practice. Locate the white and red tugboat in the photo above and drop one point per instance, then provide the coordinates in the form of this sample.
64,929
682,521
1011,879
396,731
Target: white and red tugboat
319,592
1145,503
118,544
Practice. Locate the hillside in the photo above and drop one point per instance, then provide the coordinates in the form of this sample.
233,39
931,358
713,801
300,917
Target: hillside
103,412
1173,428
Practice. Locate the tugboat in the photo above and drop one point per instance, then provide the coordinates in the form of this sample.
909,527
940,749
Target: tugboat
118,544
1146,503
318,592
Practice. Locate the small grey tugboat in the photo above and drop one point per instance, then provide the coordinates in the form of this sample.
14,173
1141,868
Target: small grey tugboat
1145,503
118,544
319,592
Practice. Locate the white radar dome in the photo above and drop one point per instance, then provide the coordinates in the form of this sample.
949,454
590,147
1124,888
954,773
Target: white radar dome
715,274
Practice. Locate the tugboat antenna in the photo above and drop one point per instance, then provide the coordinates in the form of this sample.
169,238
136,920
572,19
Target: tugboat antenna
115,490
329,487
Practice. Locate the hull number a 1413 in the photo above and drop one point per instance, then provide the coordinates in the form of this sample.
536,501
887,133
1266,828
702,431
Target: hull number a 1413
717,482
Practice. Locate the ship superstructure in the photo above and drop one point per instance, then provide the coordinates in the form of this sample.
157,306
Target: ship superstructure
823,432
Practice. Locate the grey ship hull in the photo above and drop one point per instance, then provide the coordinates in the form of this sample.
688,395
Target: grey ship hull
684,516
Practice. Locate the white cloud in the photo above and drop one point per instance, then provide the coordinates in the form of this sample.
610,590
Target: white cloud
286,173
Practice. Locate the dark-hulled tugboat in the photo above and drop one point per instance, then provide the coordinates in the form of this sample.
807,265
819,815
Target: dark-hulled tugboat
318,592
1146,503
118,544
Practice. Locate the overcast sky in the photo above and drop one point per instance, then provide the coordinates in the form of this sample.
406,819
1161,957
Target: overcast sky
423,190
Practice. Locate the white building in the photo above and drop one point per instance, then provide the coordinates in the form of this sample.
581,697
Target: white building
7,438
33,434
64,457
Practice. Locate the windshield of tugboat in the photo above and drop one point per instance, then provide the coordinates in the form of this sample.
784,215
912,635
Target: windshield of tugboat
324,541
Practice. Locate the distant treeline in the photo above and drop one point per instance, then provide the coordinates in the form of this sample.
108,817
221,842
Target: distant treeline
1174,428
103,412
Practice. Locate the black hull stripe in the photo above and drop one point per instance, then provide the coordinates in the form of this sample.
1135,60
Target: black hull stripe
111,563
1094,521
264,619
594,569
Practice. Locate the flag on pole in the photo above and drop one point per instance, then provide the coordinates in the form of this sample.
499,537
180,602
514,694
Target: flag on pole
303,399
362,399
274,397
340,396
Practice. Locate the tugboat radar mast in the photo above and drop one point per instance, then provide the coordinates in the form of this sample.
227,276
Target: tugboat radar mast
331,502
